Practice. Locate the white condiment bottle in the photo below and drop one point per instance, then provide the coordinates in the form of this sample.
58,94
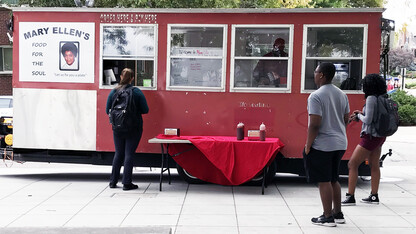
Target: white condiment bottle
262,132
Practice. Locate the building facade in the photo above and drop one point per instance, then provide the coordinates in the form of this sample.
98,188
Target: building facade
6,52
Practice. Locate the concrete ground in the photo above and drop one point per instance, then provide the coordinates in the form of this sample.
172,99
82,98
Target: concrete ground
68,198
411,91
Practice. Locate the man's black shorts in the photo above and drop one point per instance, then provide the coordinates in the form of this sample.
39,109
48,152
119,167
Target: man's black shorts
321,166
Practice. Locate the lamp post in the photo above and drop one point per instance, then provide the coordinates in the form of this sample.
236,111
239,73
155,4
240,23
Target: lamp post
403,73
386,26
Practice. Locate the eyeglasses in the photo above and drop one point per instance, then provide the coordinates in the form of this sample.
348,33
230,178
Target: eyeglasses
316,72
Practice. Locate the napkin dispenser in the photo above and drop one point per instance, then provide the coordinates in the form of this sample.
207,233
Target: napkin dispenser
253,135
172,132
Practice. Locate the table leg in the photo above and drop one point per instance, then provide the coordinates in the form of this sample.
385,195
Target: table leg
165,157
161,167
264,180
264,176
167,161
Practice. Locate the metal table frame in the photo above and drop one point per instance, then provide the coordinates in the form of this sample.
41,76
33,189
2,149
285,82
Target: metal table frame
165,155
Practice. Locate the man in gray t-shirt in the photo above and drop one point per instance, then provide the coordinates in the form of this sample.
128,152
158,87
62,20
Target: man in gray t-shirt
326,142
331,104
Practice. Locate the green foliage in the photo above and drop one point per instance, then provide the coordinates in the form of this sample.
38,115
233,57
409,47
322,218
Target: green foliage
407,107
402,98
249,4
284,3
209,3
407,115
48,3
348,3
410,86
204,3
105,3
329,3
168,3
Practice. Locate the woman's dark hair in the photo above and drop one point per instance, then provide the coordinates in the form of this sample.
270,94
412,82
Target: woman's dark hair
374,84
328,70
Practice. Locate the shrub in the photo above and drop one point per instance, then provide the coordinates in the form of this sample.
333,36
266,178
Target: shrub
402,98
410,86
407,115
407,107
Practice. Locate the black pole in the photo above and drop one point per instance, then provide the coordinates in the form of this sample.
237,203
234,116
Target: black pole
386,56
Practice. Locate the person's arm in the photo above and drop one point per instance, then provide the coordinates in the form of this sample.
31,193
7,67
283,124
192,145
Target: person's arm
367,115
141,100
109,101
347,119
313,130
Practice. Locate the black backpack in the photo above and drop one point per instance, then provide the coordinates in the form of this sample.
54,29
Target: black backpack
122,111
386,116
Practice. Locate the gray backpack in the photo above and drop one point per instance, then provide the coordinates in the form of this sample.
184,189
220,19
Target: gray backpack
386,117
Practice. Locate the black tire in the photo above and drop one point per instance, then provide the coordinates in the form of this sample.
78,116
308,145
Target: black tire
271,172
188,177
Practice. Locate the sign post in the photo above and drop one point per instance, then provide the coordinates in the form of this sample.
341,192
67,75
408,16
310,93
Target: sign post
403,73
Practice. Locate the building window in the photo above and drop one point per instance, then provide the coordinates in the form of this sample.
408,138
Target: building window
261,58
129,46
6,59
343,45
11,2
196,57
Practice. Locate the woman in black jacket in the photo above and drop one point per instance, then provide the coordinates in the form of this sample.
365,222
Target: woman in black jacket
126,142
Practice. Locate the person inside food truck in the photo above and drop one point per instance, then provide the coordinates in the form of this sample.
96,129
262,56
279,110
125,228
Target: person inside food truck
272,72
69,52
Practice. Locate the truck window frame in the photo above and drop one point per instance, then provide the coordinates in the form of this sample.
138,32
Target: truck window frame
289,59
136,58
223,58
363,58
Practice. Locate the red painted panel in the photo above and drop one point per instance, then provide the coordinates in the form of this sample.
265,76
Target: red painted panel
213,113
199,113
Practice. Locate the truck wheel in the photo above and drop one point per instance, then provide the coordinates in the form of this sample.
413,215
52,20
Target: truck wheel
271,172
187,176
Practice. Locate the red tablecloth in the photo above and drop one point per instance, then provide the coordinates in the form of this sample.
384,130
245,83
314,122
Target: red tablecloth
223,160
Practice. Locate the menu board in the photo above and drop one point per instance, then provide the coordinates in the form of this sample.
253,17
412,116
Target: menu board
196,72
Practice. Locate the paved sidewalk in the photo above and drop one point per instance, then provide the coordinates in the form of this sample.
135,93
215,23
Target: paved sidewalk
69,198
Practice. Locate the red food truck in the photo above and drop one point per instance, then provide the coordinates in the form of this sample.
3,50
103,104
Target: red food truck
201,70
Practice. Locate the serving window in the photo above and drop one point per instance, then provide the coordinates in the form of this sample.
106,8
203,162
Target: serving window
343,45
129,46
261,58
196,57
